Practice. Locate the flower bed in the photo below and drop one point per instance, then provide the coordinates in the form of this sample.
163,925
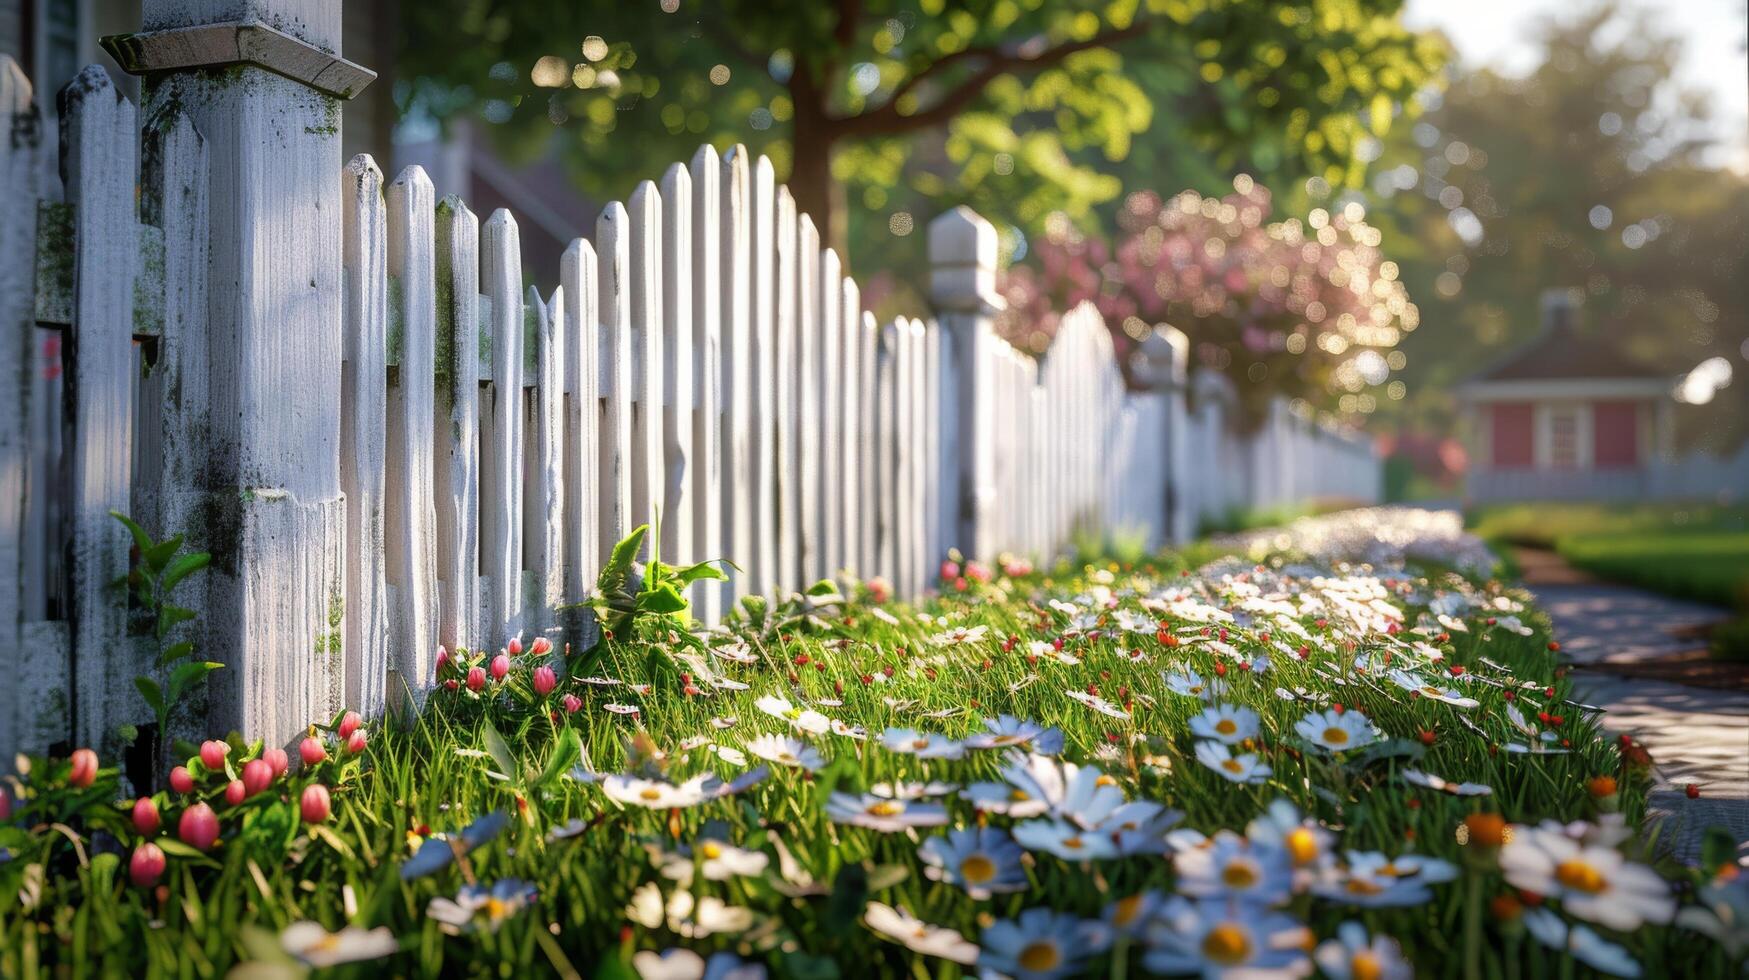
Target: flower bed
1278,767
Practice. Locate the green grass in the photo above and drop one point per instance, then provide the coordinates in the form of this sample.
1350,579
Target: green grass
434,772
1690,551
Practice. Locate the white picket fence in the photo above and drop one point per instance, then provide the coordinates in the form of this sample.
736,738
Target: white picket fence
703,360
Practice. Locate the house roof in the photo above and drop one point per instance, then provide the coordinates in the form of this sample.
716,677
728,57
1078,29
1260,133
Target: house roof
1559,351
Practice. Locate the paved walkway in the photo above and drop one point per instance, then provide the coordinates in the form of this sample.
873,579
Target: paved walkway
1696,735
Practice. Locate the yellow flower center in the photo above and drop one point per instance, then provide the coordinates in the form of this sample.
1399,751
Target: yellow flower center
1232,766
1361,886
1019,796
1431,691
496,909
1238,875
1303,845
1365,966
1073,843
650,793
1104,780
1580,876
920,744
1226,944
1040,957
1336,736
885,808
1126,911
977,869
711,850
1225,726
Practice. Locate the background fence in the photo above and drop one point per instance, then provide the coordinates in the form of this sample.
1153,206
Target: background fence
390,442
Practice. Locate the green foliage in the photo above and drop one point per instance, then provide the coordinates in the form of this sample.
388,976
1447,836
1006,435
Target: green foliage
158,568
636,602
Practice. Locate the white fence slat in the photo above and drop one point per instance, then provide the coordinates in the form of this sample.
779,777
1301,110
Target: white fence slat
762,266
543,508
615,518
867,443
788,459
645,212
21,728
101,166
939,439
707,470
501,456
809,528
363,427
577,277
737,369
410,512
456,426
886,478
831,388
849,407
678,403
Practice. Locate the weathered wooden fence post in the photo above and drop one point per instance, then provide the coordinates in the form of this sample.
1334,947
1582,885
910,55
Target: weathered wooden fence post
962,287
274,515
18,162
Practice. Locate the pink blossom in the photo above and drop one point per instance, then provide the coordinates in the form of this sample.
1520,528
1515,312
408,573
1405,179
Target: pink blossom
199,827
146,865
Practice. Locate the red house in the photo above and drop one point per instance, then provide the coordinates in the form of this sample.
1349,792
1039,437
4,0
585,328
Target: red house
1565,416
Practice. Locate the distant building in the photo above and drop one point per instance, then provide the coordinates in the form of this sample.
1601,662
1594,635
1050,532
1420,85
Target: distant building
1567,416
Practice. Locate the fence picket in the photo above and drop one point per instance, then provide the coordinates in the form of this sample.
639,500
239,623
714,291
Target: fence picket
614,380
762,266
849,401
577,278
886,482
501,436
101,165
830,385
410,509
543,508
737,374
22,727
788,459
456,425
867,444
645,211
809,525
680,465
363,425
707,479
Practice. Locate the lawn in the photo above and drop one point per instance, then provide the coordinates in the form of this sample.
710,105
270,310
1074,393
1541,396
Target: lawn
1691,551
1104,769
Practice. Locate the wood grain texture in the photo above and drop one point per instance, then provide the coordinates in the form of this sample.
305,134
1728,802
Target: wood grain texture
762,266
543,507
20,729
737,368
867,517
645,294
810,526
582,448
830,385
680,466
615,518
501,456
99,168
787,461
848,403
456,425
363,433
709,598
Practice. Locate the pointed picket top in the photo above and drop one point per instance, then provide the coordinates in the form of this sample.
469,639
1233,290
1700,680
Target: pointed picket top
578,278
614,381
15,90
962,263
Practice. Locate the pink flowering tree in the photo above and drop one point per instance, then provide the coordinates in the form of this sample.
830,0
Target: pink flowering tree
1305,308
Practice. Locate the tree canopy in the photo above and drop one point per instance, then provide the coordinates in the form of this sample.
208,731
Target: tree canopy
881,113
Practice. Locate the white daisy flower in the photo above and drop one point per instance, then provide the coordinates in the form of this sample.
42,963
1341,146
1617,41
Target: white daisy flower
1045,650
1585,945
848,731
1139,827
914,791
658,794
622,709
1335,731
1129,916
1427,780
1098,704
803,719
908,741
315,946
739,653
1592,881
983,861
732,756
1231,867
1191,685
1353,956
1225,723
883,814
919,936
1218,938
1238,768
959,636
1066,840
1414,682
681,963
786,751
1041,945
1007,731
1372,880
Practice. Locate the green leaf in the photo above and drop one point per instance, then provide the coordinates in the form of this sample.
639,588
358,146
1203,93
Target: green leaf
823,587
614,574
498,749
692,573
176,848
567,750
884,876
170,616
159,555
664,598
187,674
175,651
756,607
182,567
148,689
1717,848
142,540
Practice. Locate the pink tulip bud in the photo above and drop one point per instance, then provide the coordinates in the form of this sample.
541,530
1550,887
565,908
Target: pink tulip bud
540,647
146,816
355,744
146,865
257,776
476,678
199,827
572,703
442,660
950,569
181,780
544,681
84,771
278,760
5,805
515,645
311,751
500,667
315,805
234,792
451,684
349,723
212,754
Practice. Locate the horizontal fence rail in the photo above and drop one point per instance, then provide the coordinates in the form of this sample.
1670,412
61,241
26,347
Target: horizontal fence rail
701,362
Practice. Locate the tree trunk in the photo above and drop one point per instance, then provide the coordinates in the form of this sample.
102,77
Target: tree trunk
816,194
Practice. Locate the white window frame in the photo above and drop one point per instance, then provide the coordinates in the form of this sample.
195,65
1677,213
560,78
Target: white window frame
1543,443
